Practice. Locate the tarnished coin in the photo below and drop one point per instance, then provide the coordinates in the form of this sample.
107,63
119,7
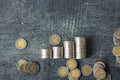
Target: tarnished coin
55,39
23,69
71,64
62,71
34,67
86,70
76,73
21,43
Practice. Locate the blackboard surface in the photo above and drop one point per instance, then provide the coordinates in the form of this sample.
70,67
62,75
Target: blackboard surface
36,20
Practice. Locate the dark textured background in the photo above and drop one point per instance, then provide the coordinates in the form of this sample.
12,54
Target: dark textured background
36,20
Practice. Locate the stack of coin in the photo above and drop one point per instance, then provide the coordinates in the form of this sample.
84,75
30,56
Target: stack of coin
80,47
99,70
116,53
57,52
28,66
46,53
69,49
116,37
116,49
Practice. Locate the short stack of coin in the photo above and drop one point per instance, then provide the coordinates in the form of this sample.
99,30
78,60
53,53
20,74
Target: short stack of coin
28,66
70,70
116,49
99,70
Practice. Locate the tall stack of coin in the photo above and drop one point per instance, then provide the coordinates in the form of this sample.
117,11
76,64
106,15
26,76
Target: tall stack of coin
99,70
69,49
28,66
57,52
116,49
80,47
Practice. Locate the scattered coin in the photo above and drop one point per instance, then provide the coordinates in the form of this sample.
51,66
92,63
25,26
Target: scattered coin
86,70
62,71
75,73
21,43
71,64
55,39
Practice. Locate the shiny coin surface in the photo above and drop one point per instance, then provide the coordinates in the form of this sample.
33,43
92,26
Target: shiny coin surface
63,71
21,43
71,64
86,70
75,73
100,74
55,39
116,51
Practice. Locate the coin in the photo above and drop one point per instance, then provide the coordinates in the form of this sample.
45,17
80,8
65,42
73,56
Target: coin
21,62
116,51
75,73
62,71
100,74
86,70
55,39
34,67
21,43
71,64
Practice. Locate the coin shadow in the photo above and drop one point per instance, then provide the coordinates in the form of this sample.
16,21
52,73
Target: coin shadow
89,46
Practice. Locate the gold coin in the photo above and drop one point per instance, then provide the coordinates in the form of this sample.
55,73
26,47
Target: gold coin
55,39
21,43
21,62
116,51
62,71
71,78
23,69
86,70
34,67
100,74
75,73
71,64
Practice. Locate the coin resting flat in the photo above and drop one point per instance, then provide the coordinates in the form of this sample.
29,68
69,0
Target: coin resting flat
75,73
71,64
21,43
86,70
55,39
62,71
